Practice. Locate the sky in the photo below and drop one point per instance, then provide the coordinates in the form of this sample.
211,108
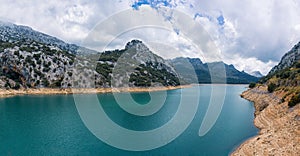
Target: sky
250,34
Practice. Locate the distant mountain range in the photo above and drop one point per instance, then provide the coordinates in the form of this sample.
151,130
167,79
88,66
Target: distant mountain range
231,74
29,58
257,74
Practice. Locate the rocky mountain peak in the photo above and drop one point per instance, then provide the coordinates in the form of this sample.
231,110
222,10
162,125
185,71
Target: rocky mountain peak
136,44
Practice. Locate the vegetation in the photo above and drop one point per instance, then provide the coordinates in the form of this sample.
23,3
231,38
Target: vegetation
33,63
149,73
272,87
294,100
252,85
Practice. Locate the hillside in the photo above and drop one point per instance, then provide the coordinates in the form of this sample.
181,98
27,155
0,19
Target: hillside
277,111
10,32
202,70
30,59
30,64
285,76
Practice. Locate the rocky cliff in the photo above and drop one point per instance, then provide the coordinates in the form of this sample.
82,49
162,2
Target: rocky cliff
288,59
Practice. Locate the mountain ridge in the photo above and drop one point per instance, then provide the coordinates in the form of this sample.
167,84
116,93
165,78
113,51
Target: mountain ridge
8,30
202,70
29,58
288,59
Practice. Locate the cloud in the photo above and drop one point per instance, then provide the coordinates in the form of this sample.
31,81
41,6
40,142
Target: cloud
258,32
68,20
250,64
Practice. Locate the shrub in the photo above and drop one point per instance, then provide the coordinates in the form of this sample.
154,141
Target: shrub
252,85
272,87
45,82
16,53
17,86
297,65
294,100
36,56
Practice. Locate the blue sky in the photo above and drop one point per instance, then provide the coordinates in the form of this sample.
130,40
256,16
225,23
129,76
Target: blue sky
251,34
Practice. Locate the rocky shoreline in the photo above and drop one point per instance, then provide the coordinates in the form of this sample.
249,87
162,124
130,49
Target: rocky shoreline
279,125
49,91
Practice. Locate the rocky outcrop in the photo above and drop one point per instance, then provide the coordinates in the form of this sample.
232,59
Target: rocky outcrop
279,125
288,59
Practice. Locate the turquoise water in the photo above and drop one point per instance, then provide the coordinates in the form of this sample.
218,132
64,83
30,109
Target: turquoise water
51,125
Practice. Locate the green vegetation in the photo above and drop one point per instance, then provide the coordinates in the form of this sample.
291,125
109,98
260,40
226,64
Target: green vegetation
57,83
5,45
27,49
272,87
149,73
112,56
104,69
252,85
294,100
45,82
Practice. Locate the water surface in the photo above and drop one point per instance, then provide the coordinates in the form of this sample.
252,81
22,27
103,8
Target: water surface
51,125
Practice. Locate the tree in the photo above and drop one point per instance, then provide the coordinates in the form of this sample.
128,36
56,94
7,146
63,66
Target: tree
294,100
252,85
272,87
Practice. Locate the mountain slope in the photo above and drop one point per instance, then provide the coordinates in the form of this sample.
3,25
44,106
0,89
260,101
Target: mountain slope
277,111
11,33
202,70
288,59
30,59
136,65
31,64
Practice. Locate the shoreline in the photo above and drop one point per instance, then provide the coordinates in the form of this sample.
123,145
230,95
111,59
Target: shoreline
52,91
278,127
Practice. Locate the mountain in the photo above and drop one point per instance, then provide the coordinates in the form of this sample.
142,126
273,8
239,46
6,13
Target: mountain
136,65
30,59
288,59
203,71
11,33
277,110
257,74
286,72
32,64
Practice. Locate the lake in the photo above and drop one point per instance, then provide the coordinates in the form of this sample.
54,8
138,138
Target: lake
51,124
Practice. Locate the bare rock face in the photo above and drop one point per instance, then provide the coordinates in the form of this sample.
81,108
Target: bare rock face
279,125
288,59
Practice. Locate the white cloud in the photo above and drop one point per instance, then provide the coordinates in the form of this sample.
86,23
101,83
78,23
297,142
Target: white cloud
256,31
250,64
68,20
